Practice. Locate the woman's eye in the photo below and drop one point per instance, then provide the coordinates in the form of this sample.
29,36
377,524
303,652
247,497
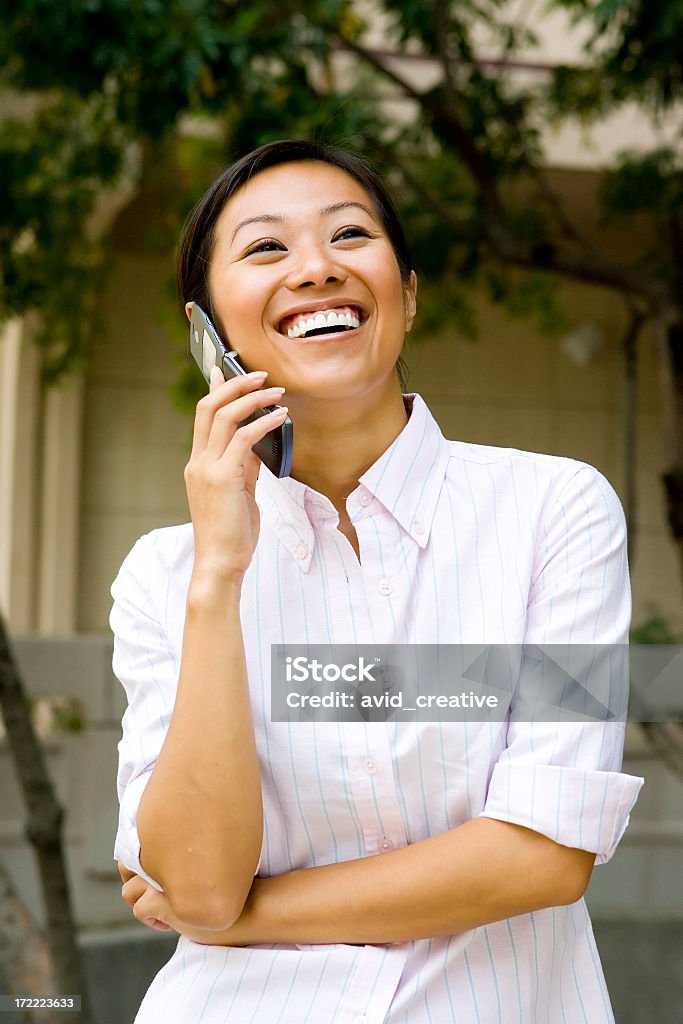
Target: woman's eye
351,232
265,245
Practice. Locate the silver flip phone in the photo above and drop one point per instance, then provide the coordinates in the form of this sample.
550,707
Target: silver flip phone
207,347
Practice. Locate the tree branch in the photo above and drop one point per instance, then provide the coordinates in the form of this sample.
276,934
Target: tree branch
462,230
449,121
629,348
586,265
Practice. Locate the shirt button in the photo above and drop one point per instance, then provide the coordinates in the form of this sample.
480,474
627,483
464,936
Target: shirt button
386,845
365,498
301,552
418,527
385,587
370,765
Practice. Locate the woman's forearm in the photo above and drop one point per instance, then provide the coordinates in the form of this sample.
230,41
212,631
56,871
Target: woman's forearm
200,817
482,871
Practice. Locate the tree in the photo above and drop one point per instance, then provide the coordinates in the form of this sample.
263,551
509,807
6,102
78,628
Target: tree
27,961
24,956
96,82
93,79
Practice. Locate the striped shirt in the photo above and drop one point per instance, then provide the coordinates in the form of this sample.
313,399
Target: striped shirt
459,543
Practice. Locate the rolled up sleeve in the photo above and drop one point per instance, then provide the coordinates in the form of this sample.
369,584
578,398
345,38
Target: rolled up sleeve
146,666
127,843
576,807
563,778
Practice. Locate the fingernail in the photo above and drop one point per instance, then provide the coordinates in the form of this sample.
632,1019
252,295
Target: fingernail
258,373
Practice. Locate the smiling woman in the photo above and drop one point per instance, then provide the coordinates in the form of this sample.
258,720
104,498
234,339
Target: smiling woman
281,257
372,871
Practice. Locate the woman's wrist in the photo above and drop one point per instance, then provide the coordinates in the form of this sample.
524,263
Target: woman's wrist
211,583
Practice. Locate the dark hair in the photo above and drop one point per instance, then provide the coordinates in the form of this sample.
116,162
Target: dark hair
199,232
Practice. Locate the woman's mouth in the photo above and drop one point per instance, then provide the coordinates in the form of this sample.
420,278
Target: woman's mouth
318,323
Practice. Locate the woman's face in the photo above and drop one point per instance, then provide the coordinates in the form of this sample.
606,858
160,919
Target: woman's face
299,247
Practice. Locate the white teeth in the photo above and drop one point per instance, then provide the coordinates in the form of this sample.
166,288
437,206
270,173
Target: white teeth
326,318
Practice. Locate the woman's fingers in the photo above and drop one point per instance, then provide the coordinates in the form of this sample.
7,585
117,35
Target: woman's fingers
125,872
245,437
221,473
228,417
149,906
152,909
134,889
219,395
216,378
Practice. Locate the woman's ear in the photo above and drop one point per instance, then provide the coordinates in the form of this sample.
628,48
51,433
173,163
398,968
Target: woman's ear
188,309
410,293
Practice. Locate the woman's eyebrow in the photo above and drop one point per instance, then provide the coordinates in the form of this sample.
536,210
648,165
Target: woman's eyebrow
344,205
268,218
276,218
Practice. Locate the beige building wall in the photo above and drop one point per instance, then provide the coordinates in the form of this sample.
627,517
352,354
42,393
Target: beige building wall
512,387
135,443
517,389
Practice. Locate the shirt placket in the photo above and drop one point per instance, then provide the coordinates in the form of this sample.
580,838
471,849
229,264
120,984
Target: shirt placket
375,587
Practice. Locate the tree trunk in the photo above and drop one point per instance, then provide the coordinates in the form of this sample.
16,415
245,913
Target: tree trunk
667,740
44,830
629,347
25,961
672,477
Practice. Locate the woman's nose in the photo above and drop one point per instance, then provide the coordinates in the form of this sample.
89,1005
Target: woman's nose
315,265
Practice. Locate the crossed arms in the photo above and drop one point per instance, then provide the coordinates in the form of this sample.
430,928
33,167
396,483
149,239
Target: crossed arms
479,872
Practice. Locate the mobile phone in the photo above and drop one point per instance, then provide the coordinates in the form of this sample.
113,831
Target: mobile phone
208,349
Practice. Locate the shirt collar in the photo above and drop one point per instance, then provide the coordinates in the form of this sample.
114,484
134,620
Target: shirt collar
406,479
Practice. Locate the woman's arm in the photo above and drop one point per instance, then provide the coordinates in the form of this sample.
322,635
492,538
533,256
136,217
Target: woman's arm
200,818
479,872
482,871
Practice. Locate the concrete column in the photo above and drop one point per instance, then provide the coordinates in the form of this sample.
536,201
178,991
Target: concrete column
60,506
19,420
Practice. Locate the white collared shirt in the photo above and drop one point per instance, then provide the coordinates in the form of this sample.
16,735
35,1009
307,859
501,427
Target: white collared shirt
459,543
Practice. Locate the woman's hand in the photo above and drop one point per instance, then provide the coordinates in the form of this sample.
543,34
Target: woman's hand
149,906
221,474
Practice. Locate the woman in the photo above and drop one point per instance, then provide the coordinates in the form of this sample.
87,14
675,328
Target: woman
349,871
